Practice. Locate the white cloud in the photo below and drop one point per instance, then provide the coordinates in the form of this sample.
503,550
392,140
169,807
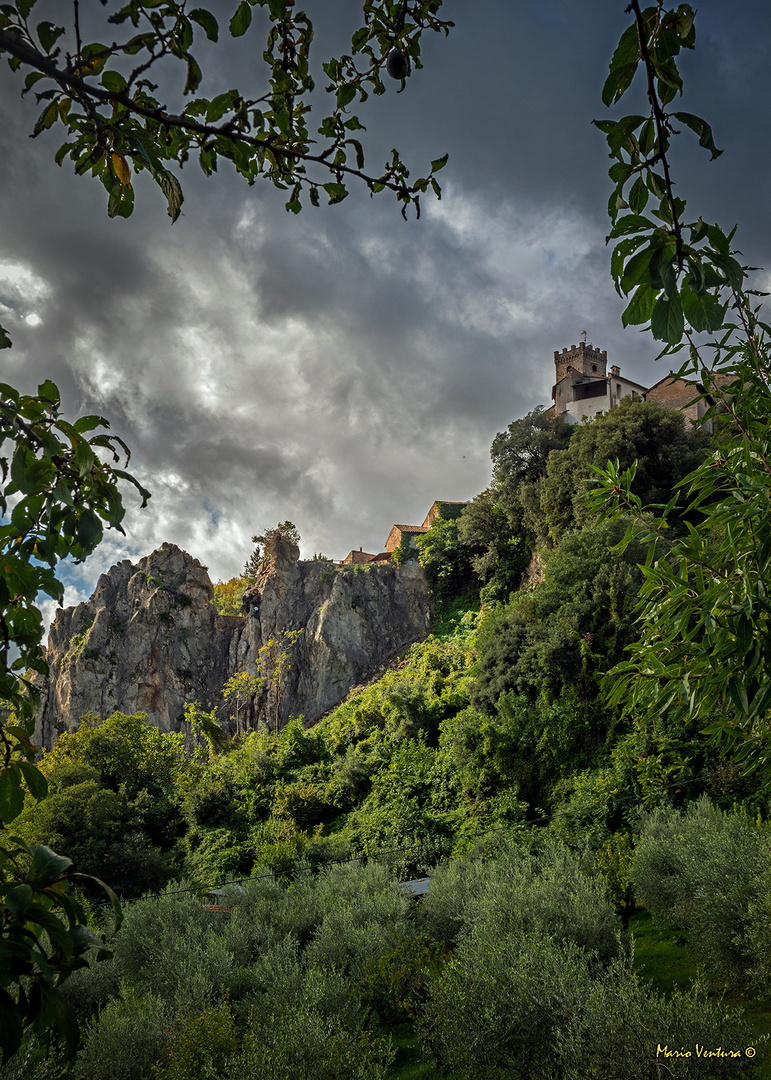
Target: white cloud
22,294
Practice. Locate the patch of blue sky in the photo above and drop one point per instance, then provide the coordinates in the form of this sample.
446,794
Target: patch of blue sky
213,514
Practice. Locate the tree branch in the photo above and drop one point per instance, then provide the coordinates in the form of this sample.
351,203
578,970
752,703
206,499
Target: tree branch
79,89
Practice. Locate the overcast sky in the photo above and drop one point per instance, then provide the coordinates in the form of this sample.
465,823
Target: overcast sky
344,368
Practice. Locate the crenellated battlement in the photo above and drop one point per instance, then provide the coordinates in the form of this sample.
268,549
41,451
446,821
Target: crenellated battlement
582,358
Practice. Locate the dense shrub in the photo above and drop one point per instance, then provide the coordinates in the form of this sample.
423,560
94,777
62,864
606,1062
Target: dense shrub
129,1036
169,945
111,802
709,872
444,910
201,1048
569,630
306,1044
650,434
525,1006
506,1006
545,893
628,1029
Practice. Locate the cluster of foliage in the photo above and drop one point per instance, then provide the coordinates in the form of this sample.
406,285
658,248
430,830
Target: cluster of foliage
544,655
111,802
444,559
229,594
704,609
102,96
57,497
285,530
543,469
512,964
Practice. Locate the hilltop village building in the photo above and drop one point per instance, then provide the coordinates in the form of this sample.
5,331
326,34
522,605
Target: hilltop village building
583,387
582,390
400,532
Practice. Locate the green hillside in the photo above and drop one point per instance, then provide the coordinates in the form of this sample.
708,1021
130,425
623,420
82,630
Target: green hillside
553,826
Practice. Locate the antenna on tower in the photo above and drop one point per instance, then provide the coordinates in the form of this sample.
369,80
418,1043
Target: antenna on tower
583,335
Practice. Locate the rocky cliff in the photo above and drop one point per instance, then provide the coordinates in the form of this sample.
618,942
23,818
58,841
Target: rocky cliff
150,640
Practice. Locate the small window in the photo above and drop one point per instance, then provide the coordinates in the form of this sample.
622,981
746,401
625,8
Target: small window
594,367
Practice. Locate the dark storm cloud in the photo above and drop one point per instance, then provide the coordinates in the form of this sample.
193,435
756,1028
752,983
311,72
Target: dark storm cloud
344,368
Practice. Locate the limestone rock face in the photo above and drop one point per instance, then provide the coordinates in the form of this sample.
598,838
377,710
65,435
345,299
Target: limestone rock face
150,640
352,619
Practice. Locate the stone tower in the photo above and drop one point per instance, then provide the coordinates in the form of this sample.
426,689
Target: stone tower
581,358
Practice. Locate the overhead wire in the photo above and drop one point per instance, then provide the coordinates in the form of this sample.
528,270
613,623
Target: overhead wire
403,849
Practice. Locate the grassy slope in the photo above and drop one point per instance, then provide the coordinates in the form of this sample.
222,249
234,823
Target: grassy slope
665,958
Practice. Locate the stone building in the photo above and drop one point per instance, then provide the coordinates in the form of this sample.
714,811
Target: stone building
357,558
583,387
398,533
691,398
440,508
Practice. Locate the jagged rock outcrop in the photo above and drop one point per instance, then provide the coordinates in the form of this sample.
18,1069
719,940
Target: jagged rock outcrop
352,618
150,640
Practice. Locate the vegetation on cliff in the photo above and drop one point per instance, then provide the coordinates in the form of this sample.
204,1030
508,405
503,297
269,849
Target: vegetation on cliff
499,757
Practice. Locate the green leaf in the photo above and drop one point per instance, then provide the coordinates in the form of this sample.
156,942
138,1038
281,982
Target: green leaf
18,899
36,781
96,56
242,19
667,323
56,1012
439,163
113,81
618,82
89,530
85,459
702,129
11,793
88,423
345,95
165,180
336,192
46,867
49,391
5,341
47,118
704,312
11,1028
31,79
730,267
626,55
218,106
640,307
359,39
206,20
121,201
638,196
737,692
194,74
632,223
